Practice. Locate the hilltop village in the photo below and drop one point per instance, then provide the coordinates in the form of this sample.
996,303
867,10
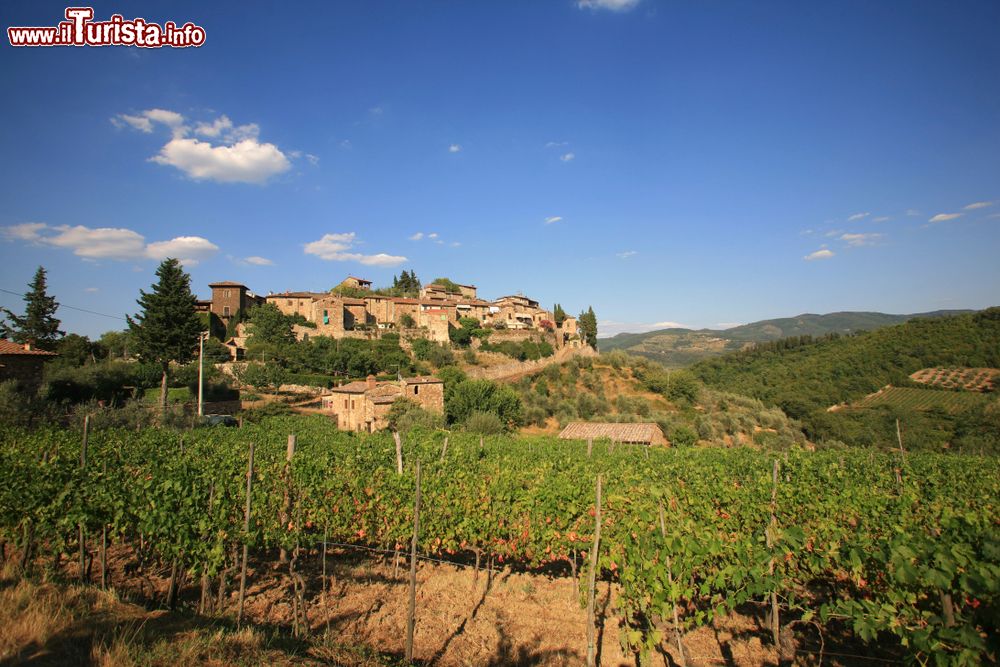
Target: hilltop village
354,310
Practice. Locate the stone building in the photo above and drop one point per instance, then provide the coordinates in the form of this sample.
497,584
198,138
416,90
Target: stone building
364,406
229,298
357,283
22,364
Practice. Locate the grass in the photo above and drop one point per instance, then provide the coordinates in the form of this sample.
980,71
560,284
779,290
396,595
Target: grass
45,623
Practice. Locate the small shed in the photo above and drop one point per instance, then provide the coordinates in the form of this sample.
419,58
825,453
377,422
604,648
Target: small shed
628,433
22,363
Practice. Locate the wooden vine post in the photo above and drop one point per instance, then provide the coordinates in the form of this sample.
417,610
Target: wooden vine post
772,527
246,548
411,617
590,447
444,448
399,453
104,537
82,533
592,579
902,456
286,504
682,661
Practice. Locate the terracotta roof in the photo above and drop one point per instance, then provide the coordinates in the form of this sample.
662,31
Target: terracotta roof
644,433
354,302
357,387
360,280
9,347
384,400
423,379
297,295
226,283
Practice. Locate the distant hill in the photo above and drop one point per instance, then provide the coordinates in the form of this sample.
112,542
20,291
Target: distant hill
683,347
805,376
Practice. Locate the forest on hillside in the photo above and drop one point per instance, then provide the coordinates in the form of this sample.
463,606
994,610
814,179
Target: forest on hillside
805,376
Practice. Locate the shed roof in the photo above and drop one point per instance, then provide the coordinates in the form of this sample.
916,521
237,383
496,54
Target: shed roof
10,347
639,433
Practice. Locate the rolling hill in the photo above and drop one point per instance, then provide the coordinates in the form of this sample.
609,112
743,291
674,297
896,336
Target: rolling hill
683,347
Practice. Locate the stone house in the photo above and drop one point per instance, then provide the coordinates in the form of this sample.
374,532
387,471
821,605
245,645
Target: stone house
364,406
22,364
357,283
230,298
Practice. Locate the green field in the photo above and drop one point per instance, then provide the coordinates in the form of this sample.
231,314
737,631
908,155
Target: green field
911,398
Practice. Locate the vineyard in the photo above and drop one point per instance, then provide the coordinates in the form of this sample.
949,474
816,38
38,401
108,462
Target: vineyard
912,398
902,551
969,379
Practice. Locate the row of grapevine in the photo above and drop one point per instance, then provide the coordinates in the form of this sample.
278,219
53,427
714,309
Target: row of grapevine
691,531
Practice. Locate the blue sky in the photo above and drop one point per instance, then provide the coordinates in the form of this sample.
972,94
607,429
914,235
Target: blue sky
700,163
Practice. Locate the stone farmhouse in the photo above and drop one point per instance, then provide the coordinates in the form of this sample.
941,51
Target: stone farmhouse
432,315
22,363
364,406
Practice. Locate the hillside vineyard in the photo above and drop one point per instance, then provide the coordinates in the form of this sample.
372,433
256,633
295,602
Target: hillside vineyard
878,544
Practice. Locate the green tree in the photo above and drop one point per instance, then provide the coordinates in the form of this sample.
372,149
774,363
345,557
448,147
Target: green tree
477,396
167,328
588,327
269,326
38,326
558,314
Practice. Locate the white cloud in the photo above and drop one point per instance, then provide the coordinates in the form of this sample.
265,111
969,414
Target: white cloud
116,243
313,159
335,247
552,218
858,216
100,243
376,111
912,212
432,235
857,240
26,231
944,217
244,162
823,253
881,218
258,261
568,157
556,144
455,148
417,236
627,254
346,145
238,157
978,205
455,244
92,290
188,249
613,5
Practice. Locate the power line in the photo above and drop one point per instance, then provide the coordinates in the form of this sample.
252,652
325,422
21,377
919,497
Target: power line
63,305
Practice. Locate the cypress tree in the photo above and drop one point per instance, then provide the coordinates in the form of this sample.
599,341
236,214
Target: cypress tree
167,329
39,326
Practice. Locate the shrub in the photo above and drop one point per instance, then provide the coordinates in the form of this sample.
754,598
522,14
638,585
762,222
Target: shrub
406,320
682,436
484,423
405,415
471,396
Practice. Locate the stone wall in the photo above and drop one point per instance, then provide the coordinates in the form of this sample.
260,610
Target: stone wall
518,368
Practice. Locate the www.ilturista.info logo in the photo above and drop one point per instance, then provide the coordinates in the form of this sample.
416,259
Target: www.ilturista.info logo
79,29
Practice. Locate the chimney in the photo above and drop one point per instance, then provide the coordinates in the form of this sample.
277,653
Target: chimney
27,347
370,381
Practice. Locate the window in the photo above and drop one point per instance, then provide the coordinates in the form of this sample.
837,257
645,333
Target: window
226,294
225,311
288,303
416,389
352,404
345,403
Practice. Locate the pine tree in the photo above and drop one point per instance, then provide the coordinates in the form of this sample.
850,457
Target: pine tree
39,326
167,329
